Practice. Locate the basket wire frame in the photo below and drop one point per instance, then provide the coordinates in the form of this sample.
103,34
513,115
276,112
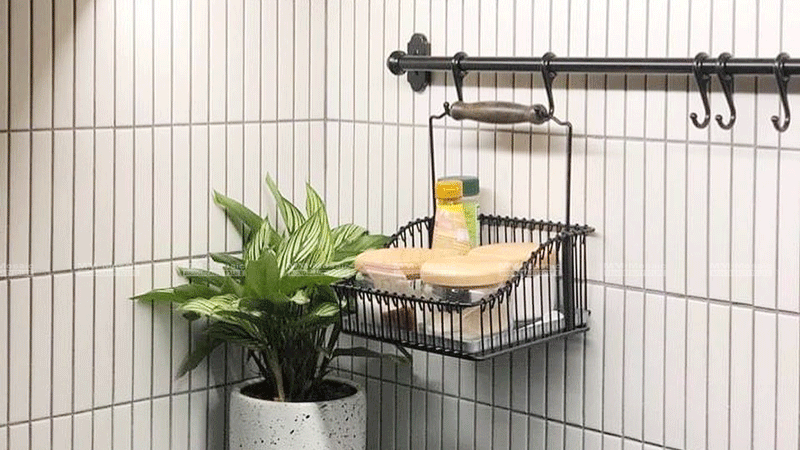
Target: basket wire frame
545,299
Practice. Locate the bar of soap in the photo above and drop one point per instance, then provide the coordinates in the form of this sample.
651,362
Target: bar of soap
467,271
397,261
514,252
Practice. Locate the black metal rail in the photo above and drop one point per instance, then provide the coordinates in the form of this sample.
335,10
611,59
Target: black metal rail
399,63
418,64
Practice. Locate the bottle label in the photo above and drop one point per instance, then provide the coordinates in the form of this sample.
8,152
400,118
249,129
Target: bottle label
450,228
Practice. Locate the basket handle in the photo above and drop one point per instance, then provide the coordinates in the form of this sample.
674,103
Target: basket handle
499,112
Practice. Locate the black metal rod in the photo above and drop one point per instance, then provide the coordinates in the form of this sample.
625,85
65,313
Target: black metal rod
399,62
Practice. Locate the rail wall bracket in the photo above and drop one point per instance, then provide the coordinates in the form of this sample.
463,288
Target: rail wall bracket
419,46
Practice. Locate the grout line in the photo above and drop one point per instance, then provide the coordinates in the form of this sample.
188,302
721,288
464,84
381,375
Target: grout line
544,418
114,405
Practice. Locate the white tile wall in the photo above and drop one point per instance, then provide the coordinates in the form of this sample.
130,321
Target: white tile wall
694,289
117,118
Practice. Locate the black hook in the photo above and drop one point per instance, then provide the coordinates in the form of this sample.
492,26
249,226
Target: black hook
726,80
704,86
548,75
459,74
783,80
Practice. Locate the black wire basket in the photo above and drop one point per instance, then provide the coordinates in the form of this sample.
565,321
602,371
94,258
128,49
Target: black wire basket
545,299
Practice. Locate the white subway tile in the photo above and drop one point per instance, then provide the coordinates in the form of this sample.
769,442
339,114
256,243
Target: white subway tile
19,356
121,424
764,379
234,53
199,189
614,213
766,203
4,63
42,55
142,425
40,435
675,372
123,196
252,43
198,419
696,373
633,391
161,371
613,347
217,222
232,186
200,44
83,255
102,428
181,194
634,211
62,432
4,180
63,345
123,56
181,57
104,330
84,63
742,218
160,422
593,359
63,76
719,222
741,378
41,190
83,341
63,182
19,437
162,64
302,48
41,350
4,348
697,212
19,204
719,337
654,367
20,65
179,422
788,238
123,333
142,338
285,59
787,391
104,43
104,224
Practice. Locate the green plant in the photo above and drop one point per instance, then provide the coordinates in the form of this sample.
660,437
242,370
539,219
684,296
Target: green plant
276,301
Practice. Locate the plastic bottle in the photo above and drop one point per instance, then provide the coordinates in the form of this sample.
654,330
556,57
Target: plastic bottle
450,224
472,207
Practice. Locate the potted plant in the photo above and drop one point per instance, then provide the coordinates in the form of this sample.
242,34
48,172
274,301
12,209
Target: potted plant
275,302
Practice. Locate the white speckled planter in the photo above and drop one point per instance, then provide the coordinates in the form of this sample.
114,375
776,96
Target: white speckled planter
330,425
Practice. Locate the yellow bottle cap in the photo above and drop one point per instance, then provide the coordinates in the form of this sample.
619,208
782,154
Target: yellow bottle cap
449,189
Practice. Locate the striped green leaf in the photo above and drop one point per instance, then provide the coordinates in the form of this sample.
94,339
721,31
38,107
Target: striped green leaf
260,241
211,307
202,276
313,201
346,233
340,272
239,214
292,217
301,244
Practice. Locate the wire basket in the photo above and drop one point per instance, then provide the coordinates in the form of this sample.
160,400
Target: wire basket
543,300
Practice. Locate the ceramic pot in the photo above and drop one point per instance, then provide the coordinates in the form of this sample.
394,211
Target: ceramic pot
257,424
